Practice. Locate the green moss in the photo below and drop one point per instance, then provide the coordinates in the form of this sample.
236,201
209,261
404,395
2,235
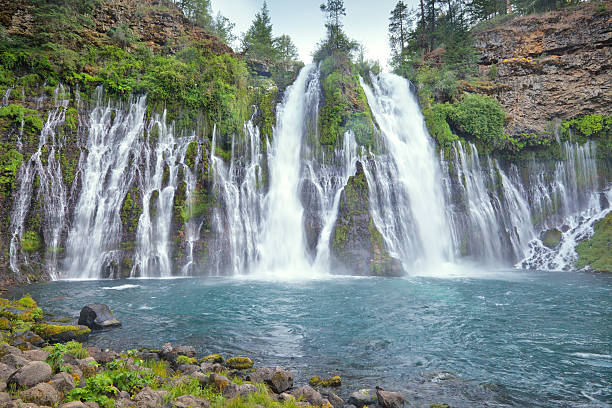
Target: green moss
551,238
334,381
55,331
186,360
10,163
31,241
213,358
595,127
435,120
190,154
239,363
345,107
72,118
13,115
22,310
596,252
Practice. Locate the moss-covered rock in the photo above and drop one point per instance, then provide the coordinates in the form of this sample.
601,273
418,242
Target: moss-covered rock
356,243
596,252
61,333
239,363
551,238
317,381
212,358
22,310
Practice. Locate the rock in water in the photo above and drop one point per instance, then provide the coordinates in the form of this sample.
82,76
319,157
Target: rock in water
363,397
98,316
388,399
551,238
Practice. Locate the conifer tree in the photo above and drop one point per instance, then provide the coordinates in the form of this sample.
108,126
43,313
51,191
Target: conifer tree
258,41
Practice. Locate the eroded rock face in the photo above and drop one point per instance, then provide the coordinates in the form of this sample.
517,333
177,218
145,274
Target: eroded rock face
356,243
550,66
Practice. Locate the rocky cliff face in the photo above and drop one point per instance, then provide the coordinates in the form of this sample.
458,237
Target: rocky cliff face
356,243
550,66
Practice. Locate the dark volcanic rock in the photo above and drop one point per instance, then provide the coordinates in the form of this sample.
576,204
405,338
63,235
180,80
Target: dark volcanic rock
356,244
98,316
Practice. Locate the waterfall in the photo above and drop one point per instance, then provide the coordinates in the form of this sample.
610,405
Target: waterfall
497,214
270,196
404,182
158,183
44,167
106,177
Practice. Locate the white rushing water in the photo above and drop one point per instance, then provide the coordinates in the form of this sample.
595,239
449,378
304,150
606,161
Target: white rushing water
261,218
407,201
43,166
497,215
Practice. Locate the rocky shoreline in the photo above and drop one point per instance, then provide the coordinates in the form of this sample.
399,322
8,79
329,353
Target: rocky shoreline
44,364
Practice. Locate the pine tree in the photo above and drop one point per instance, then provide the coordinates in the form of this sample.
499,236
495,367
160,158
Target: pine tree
399,25
257,41
335,11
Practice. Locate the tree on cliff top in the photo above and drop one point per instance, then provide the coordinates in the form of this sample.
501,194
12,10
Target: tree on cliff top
257,41
336,44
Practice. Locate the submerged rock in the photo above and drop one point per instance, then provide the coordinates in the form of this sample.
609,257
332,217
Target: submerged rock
98,316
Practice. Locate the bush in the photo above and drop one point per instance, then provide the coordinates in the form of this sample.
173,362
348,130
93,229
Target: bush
479,118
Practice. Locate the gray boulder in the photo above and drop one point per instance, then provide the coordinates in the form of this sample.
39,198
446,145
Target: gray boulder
98,316
14,360
333,399
363,397
31,374
63,382
36,355
74,404
309,394
149,398
189,401
278,379
5,371
388,399
43,394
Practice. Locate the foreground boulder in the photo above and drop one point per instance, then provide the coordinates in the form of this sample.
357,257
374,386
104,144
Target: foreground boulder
278,379
239,363
98,316
388,399
43,394
363,397
31,374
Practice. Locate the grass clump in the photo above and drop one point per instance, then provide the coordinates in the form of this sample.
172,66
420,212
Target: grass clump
596,252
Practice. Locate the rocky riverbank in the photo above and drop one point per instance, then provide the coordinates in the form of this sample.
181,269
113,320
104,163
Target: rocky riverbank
43,364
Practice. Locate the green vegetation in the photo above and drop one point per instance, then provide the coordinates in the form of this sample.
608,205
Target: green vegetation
31,241
23,310
10,163
14,115
57,352
590,127
186,360
596,252
98,389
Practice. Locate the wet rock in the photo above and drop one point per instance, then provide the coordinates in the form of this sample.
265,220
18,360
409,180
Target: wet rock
278,379
363,397
309,394
333,399
356,244
388,399
31,374
239,363
98,316
551,238
149,398
43,394
63,382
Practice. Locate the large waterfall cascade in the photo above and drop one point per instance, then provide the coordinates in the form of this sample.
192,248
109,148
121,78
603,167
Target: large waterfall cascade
277,199
405,189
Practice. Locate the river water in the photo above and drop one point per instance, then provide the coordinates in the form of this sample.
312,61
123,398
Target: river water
503,338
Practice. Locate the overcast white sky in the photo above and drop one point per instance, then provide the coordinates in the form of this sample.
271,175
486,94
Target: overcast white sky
366,21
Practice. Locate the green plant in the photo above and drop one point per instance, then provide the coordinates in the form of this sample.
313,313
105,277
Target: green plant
31,242
99,389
